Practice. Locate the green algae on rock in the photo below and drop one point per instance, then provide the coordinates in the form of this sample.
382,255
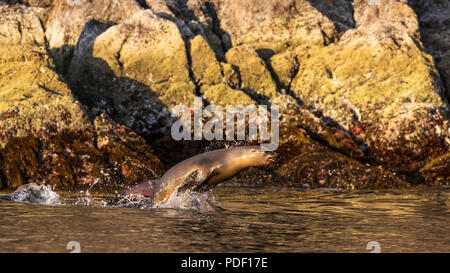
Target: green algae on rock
222,95
135,71
378,74
46,135
253,73
436,171
205,66
31,93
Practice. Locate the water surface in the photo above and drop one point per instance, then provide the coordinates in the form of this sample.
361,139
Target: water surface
252,220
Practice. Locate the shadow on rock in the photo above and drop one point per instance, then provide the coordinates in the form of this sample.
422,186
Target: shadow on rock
434,27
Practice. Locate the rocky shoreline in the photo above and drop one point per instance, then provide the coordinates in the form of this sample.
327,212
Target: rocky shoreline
86,88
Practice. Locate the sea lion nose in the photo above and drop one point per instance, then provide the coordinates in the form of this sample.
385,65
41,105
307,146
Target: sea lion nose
272,155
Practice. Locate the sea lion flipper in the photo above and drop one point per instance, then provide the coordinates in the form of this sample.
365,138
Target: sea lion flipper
196,179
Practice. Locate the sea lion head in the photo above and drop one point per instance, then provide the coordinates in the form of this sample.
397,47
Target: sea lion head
232,161
258,157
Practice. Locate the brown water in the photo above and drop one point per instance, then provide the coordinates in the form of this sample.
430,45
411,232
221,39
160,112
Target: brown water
252,220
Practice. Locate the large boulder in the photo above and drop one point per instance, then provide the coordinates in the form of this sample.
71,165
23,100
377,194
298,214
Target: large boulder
68,18
279,25
378,75
135,71
46,135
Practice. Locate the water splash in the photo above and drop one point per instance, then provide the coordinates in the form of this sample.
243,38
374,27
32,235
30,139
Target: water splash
34,193
137,201
44,194
85,200
190,201
187,200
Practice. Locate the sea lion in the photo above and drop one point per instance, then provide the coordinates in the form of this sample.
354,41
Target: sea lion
203,172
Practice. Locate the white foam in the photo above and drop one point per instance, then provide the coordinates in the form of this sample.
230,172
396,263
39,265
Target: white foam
34,193
188,200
